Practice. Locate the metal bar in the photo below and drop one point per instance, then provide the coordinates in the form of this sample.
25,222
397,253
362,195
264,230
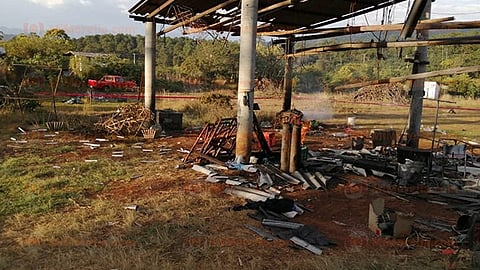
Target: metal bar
302,243
159,9
281,224
265,235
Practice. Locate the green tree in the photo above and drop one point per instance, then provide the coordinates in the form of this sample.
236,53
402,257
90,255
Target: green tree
56,33
269,63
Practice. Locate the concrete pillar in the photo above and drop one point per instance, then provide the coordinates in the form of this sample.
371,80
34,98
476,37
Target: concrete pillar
246,79
416,102
150,42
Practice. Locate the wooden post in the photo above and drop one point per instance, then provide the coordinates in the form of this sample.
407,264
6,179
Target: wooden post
295,148
287,77
287,104
285,150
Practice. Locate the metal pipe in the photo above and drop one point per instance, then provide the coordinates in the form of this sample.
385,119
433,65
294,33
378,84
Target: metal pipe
281,224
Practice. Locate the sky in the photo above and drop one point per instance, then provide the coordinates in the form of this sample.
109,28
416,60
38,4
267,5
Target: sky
91,17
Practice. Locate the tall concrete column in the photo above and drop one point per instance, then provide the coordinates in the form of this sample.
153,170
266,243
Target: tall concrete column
246,79
416,103
150,42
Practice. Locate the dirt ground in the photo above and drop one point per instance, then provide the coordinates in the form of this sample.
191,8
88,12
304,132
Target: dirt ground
341,218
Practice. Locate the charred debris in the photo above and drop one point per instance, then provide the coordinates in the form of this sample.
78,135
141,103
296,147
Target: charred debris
446,175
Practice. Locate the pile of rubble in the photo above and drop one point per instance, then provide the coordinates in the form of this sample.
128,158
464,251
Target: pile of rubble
401,172
389,93
127,120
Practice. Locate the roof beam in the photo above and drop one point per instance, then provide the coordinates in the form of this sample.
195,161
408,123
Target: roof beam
416,76
373,28
144,19
412,19
198,16
159,9
358,12
395,44
260,11
348,29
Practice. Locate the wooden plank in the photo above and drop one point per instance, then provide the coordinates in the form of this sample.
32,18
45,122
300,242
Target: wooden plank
391,27
386,44
417,76
354,29
159,9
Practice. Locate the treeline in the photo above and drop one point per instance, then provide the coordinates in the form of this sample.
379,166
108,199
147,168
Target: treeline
183,61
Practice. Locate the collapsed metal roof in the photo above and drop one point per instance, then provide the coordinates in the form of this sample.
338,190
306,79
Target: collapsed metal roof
273,15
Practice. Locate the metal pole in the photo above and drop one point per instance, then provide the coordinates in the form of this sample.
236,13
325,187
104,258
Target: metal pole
246,79
150,42
416,102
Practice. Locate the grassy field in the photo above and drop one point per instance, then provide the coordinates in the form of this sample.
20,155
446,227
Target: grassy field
58,211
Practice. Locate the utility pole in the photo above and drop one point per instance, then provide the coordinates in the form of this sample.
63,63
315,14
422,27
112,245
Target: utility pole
246,80
420,63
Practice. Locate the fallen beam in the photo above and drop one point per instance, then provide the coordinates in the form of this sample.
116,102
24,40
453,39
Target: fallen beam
417,76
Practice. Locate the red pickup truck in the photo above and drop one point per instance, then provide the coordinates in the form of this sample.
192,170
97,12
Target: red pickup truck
112,81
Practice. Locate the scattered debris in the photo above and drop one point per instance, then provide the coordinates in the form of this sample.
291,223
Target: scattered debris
132,207
127,120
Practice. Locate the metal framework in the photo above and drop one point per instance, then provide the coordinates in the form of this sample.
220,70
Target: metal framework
273,15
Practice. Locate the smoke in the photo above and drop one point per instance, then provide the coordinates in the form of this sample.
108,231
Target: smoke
314,107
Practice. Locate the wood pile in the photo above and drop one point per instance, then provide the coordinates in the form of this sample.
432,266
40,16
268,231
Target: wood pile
127,120
389,93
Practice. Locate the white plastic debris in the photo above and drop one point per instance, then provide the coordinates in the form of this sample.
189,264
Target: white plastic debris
265,179
202,169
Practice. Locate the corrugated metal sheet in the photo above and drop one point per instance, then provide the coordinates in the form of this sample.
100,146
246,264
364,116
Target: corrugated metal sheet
302,13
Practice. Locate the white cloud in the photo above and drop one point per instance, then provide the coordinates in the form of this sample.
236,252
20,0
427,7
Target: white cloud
85,2
124,5
48,3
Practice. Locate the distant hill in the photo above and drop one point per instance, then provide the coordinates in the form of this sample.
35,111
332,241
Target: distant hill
9,33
